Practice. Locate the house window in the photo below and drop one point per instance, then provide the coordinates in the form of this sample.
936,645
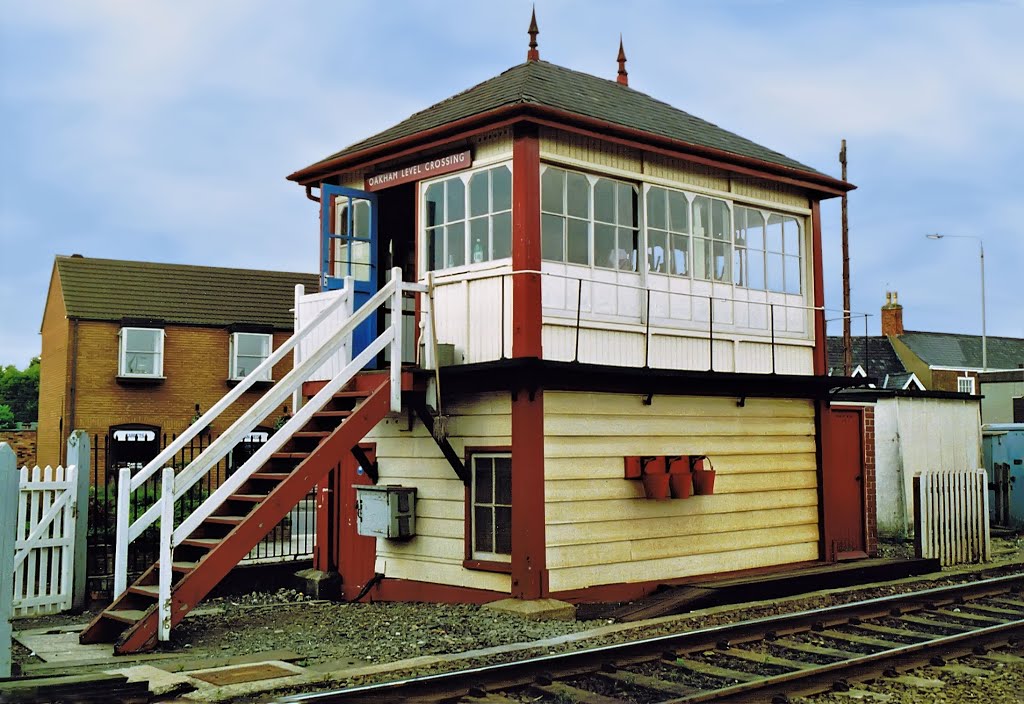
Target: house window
248,351
141,352
492,506
965,384
588,220
469,218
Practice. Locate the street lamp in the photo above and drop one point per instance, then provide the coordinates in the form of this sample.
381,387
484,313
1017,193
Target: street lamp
981,250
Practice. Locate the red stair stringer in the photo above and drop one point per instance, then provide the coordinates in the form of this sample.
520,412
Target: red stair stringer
195,585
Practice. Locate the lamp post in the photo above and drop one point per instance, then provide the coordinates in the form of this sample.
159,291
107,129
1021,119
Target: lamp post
981,251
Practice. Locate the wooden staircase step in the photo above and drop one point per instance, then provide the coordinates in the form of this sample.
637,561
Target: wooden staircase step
149,590
208,543
351,394
183,566
125,615
225,520
289,455
272,476
311,434
332,414
250,498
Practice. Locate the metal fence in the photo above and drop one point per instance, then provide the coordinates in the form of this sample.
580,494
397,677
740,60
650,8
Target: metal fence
291,539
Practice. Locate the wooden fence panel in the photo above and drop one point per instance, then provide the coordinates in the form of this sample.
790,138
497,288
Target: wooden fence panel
951,516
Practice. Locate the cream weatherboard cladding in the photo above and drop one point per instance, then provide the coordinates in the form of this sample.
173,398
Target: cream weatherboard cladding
411,458
601,529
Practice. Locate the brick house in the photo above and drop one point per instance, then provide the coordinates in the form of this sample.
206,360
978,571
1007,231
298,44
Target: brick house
135,349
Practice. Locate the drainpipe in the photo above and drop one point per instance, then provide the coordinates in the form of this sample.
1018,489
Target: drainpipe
74,387
309,194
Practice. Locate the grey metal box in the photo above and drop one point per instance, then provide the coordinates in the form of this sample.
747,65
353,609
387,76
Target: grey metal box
387,511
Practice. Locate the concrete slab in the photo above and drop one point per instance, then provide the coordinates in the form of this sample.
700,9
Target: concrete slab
160,682
535,609
318,584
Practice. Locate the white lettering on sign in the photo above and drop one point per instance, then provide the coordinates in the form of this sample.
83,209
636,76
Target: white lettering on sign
415,172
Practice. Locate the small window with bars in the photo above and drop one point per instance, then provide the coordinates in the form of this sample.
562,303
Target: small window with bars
965,384
492,506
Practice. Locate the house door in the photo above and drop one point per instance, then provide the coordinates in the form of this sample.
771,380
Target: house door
843,483
348,222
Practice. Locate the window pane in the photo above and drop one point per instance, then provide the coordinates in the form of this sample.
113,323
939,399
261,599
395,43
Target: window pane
774,272
774,234
435,250
551,237
790,237
719,220
739,225
739,266
755,269
678,212
627,205
792,274
501,189
604,200
361,219
656,208
503,530
484,487
502,235
604,247
627,249
483,529
657,251
552,185
478,246
503,480
478,194
578,195
361,260
340,215
702,258
456,235
252,345
435,206
755,229
455,198
142,340
702,216
723,261
140,363
578,242
680,255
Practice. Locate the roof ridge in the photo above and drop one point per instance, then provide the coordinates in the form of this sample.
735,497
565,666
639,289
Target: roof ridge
171,265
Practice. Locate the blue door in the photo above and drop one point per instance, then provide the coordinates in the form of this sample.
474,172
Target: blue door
348,222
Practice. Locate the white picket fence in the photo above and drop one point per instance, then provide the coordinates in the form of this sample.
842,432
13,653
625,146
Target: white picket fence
45,540
951,516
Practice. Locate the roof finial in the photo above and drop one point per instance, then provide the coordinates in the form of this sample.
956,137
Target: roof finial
623,77
533,54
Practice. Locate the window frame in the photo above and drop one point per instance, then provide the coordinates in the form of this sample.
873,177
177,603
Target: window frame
467,219
233,374
474,559
960,383
122,352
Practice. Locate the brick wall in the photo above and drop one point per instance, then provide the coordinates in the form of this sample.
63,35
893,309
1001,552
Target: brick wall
945,380
53,376
23,442
870,499
196,371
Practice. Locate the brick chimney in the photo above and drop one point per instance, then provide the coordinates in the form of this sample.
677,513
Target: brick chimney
892,315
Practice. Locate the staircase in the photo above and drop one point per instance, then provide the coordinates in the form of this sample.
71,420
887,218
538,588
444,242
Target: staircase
198,552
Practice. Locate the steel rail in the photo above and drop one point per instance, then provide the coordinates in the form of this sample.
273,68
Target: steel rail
452,685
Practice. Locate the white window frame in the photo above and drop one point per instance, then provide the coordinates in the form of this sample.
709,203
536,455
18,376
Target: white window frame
466,220
962,381
122,365
233,354
488,556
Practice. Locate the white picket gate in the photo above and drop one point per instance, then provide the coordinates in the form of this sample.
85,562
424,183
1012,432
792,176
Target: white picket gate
45,540
951,516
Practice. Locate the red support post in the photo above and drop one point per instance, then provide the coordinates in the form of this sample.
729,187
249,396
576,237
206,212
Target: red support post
529,567
526,302
820,354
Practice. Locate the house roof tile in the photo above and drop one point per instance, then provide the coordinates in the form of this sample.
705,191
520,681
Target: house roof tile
944,349
112,289
873,354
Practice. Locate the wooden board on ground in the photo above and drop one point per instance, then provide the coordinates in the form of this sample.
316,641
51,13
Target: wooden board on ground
670,601
242,673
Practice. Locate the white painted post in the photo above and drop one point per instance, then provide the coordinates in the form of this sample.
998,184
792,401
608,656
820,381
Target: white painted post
300,291
10,491
350,309
166,569
122,521
396,342
429,330
78,457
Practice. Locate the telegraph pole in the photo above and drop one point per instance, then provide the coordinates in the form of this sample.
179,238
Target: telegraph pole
847,342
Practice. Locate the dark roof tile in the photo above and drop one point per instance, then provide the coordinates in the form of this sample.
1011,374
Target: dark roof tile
943,349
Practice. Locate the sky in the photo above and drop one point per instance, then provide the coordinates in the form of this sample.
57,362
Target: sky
163,130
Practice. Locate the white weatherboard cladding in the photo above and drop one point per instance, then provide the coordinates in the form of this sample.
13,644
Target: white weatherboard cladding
412,458
471,311
600,528
914,435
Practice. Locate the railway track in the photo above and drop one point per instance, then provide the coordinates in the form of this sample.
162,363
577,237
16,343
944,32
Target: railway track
765,660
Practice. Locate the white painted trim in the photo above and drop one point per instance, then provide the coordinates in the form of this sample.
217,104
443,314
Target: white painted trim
913,379
123,530
166,555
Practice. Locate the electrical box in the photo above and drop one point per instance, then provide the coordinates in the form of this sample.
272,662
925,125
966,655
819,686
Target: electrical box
387,511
